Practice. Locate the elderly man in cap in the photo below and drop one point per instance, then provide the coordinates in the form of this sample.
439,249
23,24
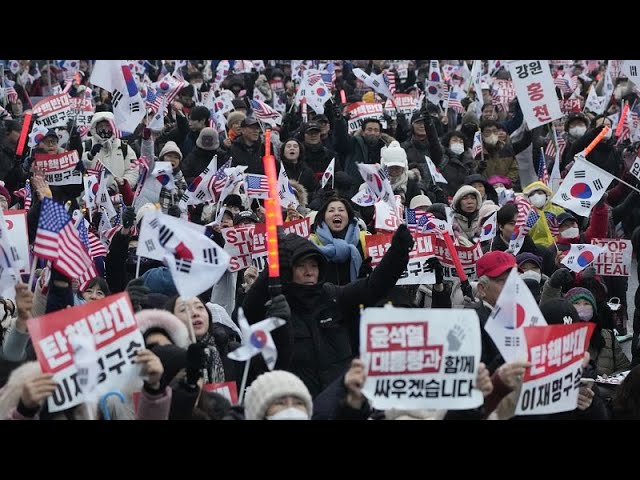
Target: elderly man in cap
316,155
492,269
248,148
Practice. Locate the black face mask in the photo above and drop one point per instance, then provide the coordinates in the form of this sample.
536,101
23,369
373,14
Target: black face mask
105,134
371,140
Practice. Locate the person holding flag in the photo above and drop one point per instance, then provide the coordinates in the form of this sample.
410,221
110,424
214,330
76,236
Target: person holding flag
324,317
507,218
394,159
466,207
292,156
546,228
604,155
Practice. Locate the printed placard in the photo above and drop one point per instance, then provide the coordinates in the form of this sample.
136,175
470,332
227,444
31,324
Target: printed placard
536,91
417,271
615,261
17,231
59,169
421,359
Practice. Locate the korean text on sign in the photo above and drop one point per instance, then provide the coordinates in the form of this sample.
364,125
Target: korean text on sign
536,91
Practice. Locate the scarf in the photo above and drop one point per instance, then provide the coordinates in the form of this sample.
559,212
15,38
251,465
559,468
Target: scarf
338,250
215,369
399,183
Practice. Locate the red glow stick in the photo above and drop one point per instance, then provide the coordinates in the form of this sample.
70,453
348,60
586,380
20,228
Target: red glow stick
596,141
23,135
343,96
454,255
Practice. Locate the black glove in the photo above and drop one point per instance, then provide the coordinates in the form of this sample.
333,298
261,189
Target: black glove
337,111
402,239
365,268
482,165
196,362
561,278
278,307
137,294
433,264
128,217
588,273
95,149
174,211
467,291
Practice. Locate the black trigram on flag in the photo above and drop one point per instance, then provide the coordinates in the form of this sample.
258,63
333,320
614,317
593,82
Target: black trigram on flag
565,197
210,256
598,184
585,203
633,70
165,235
184,197
511,341
183,265
116,97
534,320
154,223
14,254
134,107
579,174
151,246
200,195
571,259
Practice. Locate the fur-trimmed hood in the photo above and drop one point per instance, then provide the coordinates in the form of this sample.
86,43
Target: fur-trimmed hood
387,139
301,193
167,321
462,192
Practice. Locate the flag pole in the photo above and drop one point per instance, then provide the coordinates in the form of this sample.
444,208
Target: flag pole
192,335
32,273
243,384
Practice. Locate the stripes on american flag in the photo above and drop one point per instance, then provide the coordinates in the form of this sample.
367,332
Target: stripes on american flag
262,111
524,207
521,229
256,185
543,174
477,144
552,221
219,179
58,241
10,91
564,84
455,95
25,194
417,220
390,80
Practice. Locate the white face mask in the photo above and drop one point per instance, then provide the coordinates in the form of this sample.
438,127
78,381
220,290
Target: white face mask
585,312
531,274
608,134
290,413
457,148
577,131
491,139
538,200
572,232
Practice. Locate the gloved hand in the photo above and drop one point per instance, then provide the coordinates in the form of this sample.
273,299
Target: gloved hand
482,165
196,362
365,268
95,149
467,291
174,211
588,273
433,264
337,111
278,307
402,239
561,278
128,217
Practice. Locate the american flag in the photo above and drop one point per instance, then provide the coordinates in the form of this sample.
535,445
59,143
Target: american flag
25,194
563,83
552,221
521,229
390,80
543,175
219,179
455,95
264,112
97,168
257,185
153,100
524,207
477,144
417,220
58,241
91,272
10,91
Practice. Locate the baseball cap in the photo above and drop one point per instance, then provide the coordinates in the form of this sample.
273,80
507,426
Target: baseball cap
493,264
311,126
564,216
248,121
245,216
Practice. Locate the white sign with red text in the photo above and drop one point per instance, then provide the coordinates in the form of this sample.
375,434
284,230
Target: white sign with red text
615,260
417,271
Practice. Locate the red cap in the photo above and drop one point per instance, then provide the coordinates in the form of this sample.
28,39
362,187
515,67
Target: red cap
493,264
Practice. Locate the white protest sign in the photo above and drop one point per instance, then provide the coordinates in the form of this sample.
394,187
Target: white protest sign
60,168
239,245
16,221
615,260
421,359
112,325
535,91
417,271
556,352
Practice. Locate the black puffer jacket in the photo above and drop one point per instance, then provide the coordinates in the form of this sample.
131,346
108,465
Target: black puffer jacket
323,316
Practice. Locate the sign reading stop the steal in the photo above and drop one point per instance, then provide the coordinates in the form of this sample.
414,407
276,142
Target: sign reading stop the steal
615,260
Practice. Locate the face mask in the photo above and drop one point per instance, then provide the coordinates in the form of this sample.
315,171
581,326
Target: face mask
531,274
491,139
614,305
572,232
538,200
290,413
585,312
105,134
577,131
608,134
499,190
457,148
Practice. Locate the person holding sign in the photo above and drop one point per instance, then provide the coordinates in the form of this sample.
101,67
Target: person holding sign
324,317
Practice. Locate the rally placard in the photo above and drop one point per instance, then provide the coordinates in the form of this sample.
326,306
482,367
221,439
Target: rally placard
468,258
357,112
81,110
228,390
17,231
421,359
300,227
238,243
404,103
556,352
535,91
111,324
53,111
59,169
615,260
417,271
502,92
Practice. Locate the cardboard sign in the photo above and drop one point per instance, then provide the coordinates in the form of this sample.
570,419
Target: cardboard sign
615,261
112,324
420,359
53,111
357,112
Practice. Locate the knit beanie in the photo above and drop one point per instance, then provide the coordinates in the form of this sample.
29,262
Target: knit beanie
558,311
270,386
159,281
235,117
170,146
577,293
208,139
394,155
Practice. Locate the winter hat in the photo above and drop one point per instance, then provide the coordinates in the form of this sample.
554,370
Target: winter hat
537,185
168,323
170,146
270,386
173,359
420,201
159,280
577,293
558,311
462,192
529,257
153,300
147,207
394,156
494,179
208,139
235,117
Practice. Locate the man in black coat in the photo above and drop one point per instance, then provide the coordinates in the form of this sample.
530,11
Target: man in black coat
315,343
248,148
